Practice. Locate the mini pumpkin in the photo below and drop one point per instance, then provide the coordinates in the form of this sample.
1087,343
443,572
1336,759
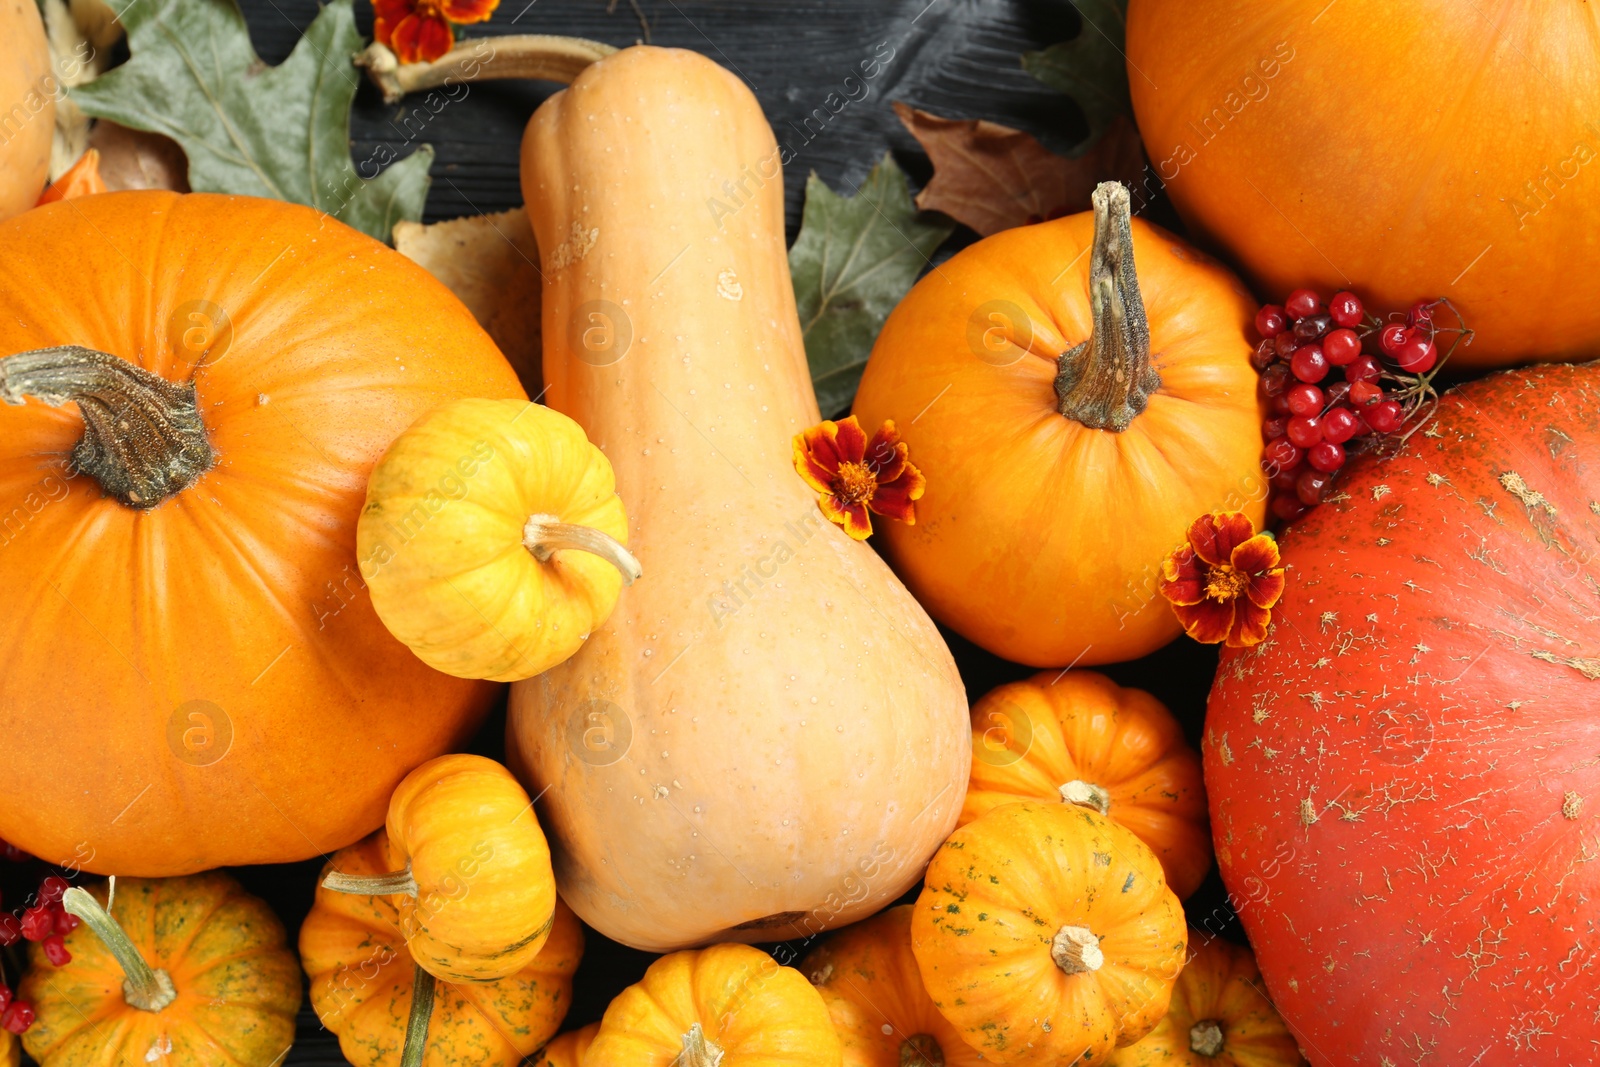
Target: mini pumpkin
1047,934
191,972
492,539
729,1005
1219,1016
1079,737
868,977
568,1049
364,981
470,869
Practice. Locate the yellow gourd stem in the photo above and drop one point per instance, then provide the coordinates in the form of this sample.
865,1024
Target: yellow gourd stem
395,883
417,1023
698,1050
144,987
534,55
1205,1037
545,535
1076,950
1087,795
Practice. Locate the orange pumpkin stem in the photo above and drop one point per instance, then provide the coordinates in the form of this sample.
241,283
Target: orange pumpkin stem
144,987
921,1050
1086,795
545,535
534,55
698,1050
1076,950
395,883
1205,1037
143,439
1105,382
416,1046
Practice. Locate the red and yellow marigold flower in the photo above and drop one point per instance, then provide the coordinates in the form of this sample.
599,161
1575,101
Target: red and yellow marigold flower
419,31
1224,581
853,475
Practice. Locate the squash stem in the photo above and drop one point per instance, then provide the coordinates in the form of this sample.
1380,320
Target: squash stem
416,1046
545,535
921,1050
698,1050
1105,382
1087,795
395,883
144,987
1205,1038
143,439
532,55
1076,950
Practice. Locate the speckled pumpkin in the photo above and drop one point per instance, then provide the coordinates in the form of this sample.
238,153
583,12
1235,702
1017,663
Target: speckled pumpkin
221,985
362,973
568,1049
1047,935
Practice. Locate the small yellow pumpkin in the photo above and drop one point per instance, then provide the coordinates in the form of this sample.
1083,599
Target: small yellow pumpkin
868,977
191,972
568,1049
470,868
1219,1017
11,1050
729,1005
492,540
364,983
1047,934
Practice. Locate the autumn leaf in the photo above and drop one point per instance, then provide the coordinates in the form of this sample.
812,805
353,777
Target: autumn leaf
991,177
854,259
1091,67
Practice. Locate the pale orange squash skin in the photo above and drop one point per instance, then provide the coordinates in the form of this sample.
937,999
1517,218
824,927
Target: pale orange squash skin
243,591
1032,737
796,755
27,104
1219,984
1039,538
361,974
237,984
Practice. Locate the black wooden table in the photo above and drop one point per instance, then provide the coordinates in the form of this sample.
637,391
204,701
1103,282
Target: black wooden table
958,58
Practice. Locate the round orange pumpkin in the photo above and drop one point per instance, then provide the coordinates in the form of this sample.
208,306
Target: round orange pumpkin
1080,738
194,673
28,90
1072,417
1407,151
567,1050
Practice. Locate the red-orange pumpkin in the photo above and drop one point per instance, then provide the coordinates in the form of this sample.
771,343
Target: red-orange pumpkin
196,677
1404,787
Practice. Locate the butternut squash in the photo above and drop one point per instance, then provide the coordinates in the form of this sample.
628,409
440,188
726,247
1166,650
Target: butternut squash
28,90
768,737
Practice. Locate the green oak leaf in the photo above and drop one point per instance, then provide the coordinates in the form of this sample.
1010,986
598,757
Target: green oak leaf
1090,68
854,259
281,132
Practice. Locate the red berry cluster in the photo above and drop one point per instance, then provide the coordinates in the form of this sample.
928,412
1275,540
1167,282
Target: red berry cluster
42,920
1328,394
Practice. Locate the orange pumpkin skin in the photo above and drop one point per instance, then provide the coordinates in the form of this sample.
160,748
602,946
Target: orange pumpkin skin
1219,985
567,1049
28,90
1038,538
354,952
1461,167
205,682
868,976
1116,750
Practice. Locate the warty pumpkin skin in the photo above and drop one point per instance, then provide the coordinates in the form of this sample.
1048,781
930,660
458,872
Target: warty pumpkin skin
1078,737
1218,1017
1403,789
1047,935
769,737
729,1005
204,682
869,979
1461,166
28,88
232,986
362,976
1041,534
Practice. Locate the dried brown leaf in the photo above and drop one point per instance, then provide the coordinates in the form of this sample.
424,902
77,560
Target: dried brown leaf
991,177
133,159
490,263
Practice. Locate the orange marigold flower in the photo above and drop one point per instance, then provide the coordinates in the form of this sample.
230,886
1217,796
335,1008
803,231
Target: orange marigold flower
853,475
1224,581
418,31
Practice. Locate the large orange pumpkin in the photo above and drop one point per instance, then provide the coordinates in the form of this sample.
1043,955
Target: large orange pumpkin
195,677
1414,150
1068,439
28,90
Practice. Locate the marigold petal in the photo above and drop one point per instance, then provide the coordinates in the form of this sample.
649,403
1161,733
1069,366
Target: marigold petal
887,463
853,517
1257,555
468,10
895,501
1214,536
434,39
851,440
1209,621
1250,624
392,11
1265,590
814,474
822,440
1182,578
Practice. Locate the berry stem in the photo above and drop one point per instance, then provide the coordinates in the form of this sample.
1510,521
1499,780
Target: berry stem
145,988
1105,382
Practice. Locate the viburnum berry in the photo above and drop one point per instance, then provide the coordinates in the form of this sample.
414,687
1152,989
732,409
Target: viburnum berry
1326,456
1274,427
55,950
52,889
1362,369
38,923
1312,327
10,930
12,853
1341,347
1420,313
1285,344
66,922
5,997
1302,302
1339,425
1391,337
1264,356
1304,399
1384,417
1309,364
1286,477
1281,454
1364,393
17,1017
1334,393
1274,380
1417,355
1346,309
1311,486
1287,506
1304,431
1271,321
